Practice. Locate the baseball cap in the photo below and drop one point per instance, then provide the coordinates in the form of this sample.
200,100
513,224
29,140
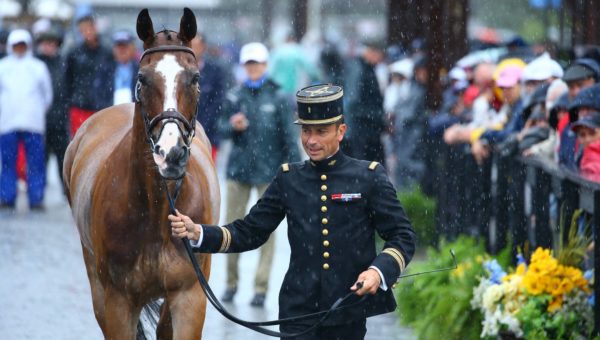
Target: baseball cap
403,67
588,97
582,69
592,121
254,52
542,68
122,37
509,76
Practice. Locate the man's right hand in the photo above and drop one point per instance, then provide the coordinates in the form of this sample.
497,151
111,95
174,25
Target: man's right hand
182,226
239,122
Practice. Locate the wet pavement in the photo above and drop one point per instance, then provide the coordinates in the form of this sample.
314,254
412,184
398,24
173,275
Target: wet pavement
45,294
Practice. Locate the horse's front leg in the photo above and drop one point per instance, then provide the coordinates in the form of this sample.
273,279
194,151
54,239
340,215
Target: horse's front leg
121,317
185,311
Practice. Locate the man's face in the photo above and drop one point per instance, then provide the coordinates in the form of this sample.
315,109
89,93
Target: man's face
19,49
198,46
373,56
577,85
48,47
511,94
585,111
255,70
322,141
586,135
123,52
87,28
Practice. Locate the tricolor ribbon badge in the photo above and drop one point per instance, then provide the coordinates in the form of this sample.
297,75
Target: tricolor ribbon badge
346,197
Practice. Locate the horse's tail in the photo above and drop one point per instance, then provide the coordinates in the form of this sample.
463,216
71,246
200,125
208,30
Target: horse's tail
146,327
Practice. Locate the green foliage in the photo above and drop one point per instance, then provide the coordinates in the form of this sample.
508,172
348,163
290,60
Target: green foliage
571,321
573,251
439,303
420,209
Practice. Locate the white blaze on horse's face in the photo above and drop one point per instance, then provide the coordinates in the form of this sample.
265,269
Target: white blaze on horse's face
169,69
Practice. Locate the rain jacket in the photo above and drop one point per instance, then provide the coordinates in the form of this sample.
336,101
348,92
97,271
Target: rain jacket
89,81
268,141
590,162
25,89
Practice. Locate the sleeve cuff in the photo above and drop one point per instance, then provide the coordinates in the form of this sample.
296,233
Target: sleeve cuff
383,285
197,244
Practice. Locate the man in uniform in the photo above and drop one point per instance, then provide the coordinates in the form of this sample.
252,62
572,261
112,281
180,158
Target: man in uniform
334,205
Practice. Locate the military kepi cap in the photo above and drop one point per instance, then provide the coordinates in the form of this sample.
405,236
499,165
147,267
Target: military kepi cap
320,104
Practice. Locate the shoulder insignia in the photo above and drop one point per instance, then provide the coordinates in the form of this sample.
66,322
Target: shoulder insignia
285,167
373,165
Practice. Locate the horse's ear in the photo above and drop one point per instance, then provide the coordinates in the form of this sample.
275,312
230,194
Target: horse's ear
144,27
187,26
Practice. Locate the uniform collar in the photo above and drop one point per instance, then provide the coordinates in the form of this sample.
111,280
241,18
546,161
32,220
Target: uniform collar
329,163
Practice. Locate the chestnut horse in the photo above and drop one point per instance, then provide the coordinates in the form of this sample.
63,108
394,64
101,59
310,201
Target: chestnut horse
114,173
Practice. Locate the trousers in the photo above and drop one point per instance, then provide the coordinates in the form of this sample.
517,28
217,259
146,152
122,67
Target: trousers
238,195
350,331
36,168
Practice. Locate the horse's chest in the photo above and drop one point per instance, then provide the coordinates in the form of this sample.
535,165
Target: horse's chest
149,269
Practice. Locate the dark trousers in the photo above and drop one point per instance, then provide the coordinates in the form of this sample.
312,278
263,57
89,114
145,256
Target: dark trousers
350,331
36,169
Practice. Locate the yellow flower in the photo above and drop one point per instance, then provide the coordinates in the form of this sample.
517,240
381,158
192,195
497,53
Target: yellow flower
554,287
566,285
520,269
533,285
536,268
479,259
555,304
540,254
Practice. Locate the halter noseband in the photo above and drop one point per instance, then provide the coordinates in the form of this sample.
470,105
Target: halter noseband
171,114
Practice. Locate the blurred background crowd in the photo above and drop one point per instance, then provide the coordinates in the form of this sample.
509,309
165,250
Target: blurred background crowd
447,95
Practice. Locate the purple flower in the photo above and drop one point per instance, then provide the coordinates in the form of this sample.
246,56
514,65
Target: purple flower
589,275
591,299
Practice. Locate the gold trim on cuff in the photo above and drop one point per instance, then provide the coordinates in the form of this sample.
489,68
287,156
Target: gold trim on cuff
395,253
318,121
226,240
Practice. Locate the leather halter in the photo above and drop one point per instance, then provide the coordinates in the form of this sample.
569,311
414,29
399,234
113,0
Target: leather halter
171,114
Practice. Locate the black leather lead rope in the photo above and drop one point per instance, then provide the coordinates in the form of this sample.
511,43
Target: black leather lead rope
255,326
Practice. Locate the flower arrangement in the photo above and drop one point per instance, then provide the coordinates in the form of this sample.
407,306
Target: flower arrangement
542,300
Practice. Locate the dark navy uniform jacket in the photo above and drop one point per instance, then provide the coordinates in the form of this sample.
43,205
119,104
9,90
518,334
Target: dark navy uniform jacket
333,208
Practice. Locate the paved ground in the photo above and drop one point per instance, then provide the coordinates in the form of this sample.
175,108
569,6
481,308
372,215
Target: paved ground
44,291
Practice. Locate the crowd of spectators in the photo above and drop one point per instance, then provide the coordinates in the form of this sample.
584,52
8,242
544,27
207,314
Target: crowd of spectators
497,104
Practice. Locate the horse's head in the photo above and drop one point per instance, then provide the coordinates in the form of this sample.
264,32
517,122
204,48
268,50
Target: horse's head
167,92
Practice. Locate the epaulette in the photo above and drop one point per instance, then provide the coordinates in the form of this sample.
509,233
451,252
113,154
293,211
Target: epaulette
373,165
285,167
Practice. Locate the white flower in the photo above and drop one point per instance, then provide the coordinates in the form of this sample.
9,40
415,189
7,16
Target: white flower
490,322
512,323
492,295
476,301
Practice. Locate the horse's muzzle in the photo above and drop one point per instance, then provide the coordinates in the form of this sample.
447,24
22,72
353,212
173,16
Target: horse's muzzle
176,162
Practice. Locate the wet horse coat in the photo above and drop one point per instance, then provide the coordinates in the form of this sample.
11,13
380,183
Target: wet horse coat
113,181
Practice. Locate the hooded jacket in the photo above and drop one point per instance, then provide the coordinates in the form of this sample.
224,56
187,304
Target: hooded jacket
25,88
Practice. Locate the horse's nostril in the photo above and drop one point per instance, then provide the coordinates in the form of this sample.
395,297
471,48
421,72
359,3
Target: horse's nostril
157,149
162,152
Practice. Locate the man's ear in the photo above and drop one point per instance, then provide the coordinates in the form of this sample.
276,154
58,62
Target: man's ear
341,131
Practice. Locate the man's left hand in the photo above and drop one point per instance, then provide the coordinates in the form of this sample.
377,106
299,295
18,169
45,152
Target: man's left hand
370,280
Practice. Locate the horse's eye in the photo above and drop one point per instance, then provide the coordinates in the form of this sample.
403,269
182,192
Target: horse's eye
196,78
142,79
